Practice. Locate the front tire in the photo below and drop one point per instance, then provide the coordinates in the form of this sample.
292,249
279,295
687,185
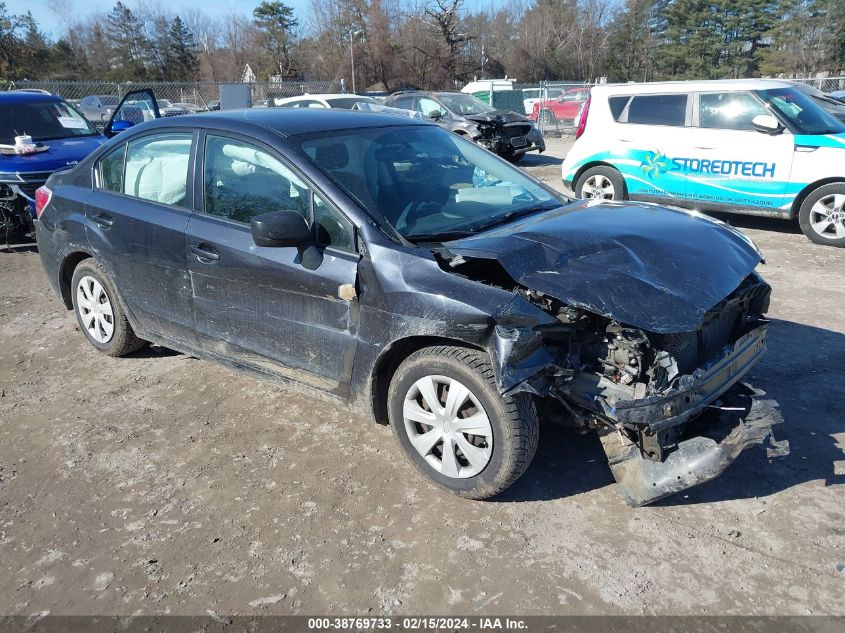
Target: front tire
822,215
601,183
99,313
453,425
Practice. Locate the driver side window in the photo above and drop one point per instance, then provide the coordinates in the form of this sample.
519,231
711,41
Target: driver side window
242,181
428,106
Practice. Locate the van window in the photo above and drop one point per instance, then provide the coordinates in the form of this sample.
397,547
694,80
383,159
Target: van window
658,109
617,106
728,110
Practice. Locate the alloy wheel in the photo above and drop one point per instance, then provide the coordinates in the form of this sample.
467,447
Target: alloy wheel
598,186
827,217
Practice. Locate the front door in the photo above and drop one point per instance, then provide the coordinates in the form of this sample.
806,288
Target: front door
260,306
135,221
730,163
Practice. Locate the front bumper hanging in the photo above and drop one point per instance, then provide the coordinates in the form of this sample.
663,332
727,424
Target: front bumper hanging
741,418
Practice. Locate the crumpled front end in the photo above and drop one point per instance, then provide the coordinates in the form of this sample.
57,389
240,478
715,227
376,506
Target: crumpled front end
507,133
659,401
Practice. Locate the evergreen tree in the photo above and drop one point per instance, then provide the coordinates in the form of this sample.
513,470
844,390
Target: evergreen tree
276,23
182,51
128,46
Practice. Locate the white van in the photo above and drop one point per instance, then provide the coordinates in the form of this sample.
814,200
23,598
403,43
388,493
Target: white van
753,146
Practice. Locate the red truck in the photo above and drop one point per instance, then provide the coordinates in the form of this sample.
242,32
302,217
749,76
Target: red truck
563,109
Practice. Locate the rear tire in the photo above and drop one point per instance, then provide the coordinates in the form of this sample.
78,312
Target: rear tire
99,313
475,465
822,215
601,183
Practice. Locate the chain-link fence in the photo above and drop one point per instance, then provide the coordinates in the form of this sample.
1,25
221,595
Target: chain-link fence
825,84
183,97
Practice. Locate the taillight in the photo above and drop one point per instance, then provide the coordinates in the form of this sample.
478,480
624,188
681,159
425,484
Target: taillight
42,199
582,121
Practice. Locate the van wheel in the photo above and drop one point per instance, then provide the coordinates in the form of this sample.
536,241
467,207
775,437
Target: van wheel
454,426
602,183
822,215
99,313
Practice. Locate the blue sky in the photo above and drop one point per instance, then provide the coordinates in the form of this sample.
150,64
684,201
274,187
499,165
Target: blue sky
48,12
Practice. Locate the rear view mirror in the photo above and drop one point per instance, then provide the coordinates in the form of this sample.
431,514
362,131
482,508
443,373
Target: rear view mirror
286,228
766,123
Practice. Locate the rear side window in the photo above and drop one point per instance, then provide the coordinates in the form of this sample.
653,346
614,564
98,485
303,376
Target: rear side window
157,168
110,169
658,110
617,106
406,103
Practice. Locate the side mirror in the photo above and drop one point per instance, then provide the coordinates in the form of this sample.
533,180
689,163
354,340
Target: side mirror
286,228
119,126
766,124
435,115
280,228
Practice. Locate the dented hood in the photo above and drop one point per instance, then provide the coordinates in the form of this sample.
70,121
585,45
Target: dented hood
650,267
501,117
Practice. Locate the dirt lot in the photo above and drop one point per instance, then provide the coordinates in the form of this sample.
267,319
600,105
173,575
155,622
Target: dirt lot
164,484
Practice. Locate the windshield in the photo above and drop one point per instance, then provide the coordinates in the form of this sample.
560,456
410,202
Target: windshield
802,112
107,100
429,184
42,121
459,103
346,103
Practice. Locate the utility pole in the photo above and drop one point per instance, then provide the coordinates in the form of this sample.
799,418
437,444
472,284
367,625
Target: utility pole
352,34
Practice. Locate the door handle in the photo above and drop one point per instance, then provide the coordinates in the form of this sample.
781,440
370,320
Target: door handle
103,221
205,253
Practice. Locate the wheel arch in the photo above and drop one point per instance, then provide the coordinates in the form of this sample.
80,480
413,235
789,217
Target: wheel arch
590,165
389,360
68,265
806,191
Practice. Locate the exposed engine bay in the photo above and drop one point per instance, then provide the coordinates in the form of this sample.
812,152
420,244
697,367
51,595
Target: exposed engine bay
641,390
15,217
502,133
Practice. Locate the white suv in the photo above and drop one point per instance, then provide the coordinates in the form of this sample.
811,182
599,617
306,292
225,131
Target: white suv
753,146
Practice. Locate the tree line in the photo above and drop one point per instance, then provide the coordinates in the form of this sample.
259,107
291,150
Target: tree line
436,43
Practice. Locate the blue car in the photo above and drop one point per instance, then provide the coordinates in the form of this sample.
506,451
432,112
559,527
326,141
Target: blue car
63,136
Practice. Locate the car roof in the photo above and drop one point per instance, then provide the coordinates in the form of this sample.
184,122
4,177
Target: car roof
288,121
27,97
694,86
326,96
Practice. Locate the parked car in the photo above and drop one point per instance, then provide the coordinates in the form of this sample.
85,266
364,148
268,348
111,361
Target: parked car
839,95
505,133
191,108
342,101
63,138
260,103
532,96
424,280
755,146
561,109
214,104
826,102
167,108
98,108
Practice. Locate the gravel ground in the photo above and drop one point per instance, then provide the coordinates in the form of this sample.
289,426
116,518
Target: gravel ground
164,484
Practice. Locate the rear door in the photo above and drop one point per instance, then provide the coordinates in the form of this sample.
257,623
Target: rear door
259,306
651,130
729,163
135,221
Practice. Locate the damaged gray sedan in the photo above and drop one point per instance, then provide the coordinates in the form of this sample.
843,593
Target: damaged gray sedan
418,276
